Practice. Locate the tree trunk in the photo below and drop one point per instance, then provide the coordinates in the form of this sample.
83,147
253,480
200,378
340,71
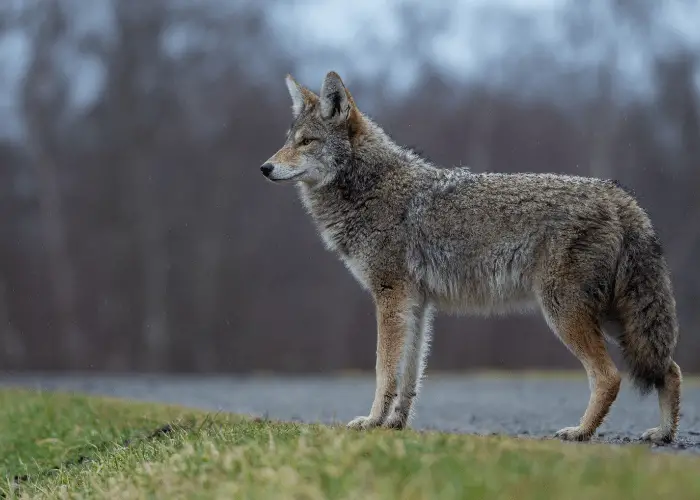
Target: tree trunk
155,265
13,344
43,100
62,274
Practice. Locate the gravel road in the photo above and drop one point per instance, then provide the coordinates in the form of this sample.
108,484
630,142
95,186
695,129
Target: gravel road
518,406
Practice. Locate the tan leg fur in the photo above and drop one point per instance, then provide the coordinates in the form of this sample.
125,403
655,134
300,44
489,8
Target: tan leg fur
583,337
669,406
415,352
393,323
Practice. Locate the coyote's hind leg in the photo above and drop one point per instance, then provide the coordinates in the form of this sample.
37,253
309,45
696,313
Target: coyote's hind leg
582,335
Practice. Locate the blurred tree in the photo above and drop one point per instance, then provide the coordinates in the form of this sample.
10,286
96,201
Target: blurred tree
43,98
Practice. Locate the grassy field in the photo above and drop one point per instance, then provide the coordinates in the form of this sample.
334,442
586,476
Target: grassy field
70,446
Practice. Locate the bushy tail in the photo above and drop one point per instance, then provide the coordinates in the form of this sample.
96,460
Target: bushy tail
646,306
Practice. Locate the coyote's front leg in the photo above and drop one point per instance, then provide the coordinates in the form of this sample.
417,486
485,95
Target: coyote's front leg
392,305
415,351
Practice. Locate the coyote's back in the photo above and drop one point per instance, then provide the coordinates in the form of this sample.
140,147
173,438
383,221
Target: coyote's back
501,242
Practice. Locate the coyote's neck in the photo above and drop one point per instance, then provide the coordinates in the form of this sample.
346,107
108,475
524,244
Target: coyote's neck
339,208
348,209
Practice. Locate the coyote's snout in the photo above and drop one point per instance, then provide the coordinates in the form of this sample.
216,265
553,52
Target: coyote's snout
286,165
421,238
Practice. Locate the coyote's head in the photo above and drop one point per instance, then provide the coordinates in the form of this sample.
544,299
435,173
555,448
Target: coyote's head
320,140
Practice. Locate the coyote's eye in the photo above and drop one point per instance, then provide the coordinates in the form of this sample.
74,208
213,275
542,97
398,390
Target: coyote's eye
306,141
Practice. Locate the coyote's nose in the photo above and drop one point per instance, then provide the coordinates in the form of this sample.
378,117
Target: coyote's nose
267,169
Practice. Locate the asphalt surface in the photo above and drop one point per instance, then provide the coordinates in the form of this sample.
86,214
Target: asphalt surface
518,406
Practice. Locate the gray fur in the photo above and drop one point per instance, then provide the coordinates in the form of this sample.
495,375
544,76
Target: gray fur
481,243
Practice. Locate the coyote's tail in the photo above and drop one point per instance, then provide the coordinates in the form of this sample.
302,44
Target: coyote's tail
645,304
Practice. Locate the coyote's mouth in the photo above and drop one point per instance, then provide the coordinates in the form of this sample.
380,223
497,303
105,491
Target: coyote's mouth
290,178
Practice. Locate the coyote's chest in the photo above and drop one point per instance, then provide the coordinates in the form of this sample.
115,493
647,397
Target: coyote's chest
336,237
334,241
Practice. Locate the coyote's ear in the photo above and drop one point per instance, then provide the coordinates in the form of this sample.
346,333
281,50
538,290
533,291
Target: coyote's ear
335,100
338,105
301,97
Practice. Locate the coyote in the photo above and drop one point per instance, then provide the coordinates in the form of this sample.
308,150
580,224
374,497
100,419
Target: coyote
421,238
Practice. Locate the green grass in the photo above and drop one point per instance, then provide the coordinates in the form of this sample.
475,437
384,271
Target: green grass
226,456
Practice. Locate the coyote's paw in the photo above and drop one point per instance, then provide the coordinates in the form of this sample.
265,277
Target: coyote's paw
657,435
362,423
396,420
573,434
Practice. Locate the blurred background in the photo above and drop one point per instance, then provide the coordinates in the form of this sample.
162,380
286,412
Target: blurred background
137,233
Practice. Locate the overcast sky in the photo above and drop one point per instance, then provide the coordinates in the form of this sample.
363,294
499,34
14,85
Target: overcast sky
470,41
